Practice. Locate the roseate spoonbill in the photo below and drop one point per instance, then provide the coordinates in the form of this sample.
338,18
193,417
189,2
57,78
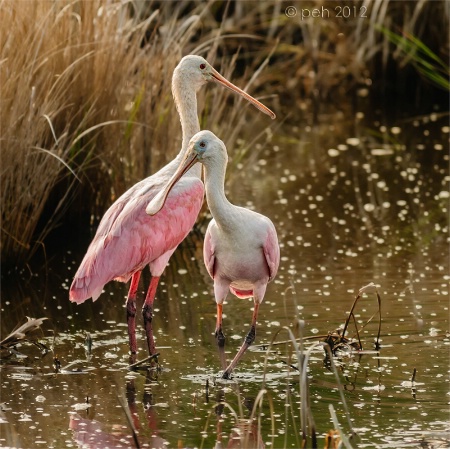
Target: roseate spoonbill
127,239
241,250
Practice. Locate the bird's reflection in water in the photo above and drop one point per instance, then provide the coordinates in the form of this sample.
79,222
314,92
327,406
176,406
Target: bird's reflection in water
88,433
92,434
244,435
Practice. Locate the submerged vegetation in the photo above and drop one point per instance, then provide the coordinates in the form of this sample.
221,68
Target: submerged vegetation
86,98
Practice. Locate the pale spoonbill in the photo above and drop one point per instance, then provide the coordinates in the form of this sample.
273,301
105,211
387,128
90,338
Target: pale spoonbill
241,250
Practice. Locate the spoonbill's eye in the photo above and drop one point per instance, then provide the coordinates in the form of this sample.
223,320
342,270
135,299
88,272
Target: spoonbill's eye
202,66
202,144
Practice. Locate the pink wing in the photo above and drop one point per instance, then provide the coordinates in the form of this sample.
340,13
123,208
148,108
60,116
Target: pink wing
128,239
272,252
208,252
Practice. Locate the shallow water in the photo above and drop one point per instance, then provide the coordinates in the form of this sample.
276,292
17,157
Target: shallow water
353,203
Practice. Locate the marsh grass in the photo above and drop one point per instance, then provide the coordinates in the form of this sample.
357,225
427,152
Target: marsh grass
66,104
338,340
86,102
249,424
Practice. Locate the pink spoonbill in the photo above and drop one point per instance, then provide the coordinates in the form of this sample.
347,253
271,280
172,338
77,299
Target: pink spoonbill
241,250
128,239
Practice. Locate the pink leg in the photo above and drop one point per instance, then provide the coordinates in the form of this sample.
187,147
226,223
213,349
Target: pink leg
249,339
131,311
147,313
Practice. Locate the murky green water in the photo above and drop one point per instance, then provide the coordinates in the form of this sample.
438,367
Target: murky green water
353,203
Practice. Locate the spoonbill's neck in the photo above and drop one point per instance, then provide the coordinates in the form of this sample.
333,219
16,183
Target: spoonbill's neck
221,209
185,97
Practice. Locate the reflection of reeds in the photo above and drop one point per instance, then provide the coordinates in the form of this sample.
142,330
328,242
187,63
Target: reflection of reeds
86,102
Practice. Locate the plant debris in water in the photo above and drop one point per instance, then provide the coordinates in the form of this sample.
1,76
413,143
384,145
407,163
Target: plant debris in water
337,339
139,365
23,333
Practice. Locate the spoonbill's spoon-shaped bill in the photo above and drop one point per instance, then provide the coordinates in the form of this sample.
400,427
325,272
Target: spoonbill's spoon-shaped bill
217,77
157,203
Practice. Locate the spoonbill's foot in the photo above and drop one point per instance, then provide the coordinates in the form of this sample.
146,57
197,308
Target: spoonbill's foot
226,375
220,338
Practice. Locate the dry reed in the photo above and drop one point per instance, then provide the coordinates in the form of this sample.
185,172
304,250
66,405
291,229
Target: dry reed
73,68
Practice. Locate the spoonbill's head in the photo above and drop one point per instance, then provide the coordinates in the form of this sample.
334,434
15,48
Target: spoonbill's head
194,71
204,147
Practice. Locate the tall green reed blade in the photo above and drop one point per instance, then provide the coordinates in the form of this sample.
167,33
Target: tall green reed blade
426,62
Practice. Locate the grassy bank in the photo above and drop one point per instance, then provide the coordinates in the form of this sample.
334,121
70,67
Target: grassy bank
86,104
